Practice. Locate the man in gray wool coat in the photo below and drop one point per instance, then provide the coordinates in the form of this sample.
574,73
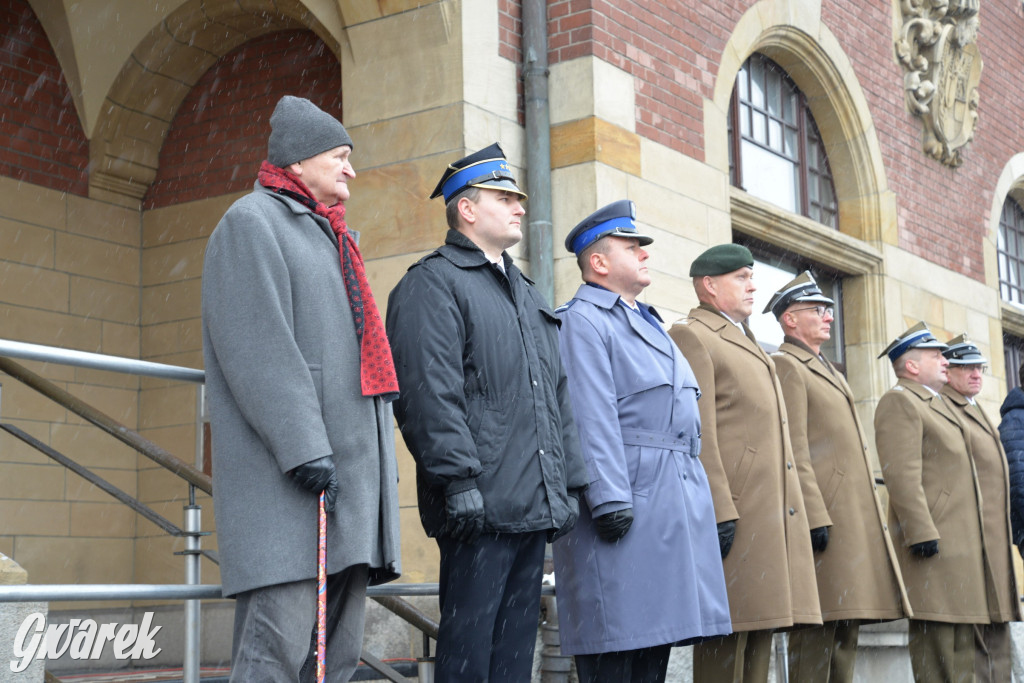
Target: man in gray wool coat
299,378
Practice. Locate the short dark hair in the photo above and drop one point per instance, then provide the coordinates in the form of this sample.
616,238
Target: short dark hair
451,209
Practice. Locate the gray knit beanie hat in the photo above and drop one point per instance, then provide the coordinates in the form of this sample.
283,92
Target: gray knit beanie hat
299,130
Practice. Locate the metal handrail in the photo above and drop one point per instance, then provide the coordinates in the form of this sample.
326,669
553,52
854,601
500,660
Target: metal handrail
99,361
164,458
166,591
387,596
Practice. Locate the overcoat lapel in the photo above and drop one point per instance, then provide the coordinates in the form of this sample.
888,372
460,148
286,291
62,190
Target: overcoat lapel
733,334
608,299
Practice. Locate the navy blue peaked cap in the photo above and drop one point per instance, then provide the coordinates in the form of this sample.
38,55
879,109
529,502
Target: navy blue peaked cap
615,219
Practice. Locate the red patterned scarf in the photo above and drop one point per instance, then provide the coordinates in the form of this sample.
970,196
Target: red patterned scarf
376,367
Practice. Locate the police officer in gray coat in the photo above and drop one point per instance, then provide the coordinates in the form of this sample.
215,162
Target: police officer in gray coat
641,571
298,378
485,412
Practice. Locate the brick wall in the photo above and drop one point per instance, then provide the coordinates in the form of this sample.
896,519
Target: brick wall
672,50
41,138
219,135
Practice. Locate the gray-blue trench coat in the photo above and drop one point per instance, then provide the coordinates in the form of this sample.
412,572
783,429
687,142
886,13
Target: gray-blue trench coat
635,402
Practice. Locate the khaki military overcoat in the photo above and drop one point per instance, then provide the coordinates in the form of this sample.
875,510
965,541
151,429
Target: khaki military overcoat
933,495
754,478
858,573
994,482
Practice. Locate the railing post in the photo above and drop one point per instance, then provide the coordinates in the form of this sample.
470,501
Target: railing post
193,531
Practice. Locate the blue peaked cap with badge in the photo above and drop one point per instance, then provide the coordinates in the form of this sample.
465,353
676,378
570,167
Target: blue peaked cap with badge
615,219
487,168
917,337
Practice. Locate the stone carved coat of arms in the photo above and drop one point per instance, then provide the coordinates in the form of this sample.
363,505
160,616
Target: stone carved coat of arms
938,49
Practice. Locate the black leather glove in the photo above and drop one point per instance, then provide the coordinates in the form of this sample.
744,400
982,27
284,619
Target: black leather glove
573,501
726,535
319,475
611,526
819,539
465,510
925,548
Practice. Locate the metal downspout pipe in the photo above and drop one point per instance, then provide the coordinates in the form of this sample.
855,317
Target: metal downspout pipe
538,146
554,666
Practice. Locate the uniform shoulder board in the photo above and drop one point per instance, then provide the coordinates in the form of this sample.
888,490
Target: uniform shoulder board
898,387
566,306
777,353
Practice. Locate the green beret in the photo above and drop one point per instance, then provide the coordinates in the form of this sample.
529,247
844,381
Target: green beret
721,259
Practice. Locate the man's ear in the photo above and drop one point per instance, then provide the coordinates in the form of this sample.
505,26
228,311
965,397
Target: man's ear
295,169
467,210
598,263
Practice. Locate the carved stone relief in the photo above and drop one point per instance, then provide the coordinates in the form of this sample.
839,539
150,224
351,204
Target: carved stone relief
938,49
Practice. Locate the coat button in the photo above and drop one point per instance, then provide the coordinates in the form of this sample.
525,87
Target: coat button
885,527
541,451
534,382
792,511
789,465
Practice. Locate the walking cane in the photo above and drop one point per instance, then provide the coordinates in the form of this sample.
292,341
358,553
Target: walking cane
321,593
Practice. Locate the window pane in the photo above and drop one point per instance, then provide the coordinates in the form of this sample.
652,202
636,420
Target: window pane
757,83
769,176
773,86
775,134
791,148
760,124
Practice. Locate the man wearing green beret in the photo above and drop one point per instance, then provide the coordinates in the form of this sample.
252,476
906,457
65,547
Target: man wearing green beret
765,501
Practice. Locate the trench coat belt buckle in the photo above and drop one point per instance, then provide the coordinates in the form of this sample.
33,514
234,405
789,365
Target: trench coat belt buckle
652,438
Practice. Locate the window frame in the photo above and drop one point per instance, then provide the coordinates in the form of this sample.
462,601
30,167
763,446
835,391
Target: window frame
806,130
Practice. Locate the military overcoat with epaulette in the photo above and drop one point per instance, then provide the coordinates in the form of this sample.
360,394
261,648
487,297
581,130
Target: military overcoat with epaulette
933,495
858,573
994,482
754,476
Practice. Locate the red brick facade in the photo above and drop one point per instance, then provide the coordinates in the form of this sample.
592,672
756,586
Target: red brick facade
672,49
41,137
219,135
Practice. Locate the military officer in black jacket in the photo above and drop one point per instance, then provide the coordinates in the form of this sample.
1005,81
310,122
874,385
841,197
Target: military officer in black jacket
485,412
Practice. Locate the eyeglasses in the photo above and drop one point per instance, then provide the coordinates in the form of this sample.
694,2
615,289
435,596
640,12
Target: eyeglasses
822,311
969,368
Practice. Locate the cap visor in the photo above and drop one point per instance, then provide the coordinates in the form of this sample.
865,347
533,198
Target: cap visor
506,185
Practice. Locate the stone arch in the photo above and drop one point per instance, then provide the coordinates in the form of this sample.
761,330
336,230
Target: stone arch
1009,184
791,33
141,103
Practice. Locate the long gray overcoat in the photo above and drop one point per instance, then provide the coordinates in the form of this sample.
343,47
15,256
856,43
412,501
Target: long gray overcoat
282,379
635,401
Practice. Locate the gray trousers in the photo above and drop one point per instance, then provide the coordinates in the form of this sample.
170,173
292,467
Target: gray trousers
275,630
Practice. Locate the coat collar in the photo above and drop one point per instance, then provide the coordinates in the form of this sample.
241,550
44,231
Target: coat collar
298,208
939,405
464,253
816,363
729,331
974,412
609,300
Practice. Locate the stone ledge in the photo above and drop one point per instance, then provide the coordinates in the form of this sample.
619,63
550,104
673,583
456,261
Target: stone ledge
11,573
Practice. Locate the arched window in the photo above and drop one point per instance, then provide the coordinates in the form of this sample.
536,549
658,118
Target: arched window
775,150
1011,253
